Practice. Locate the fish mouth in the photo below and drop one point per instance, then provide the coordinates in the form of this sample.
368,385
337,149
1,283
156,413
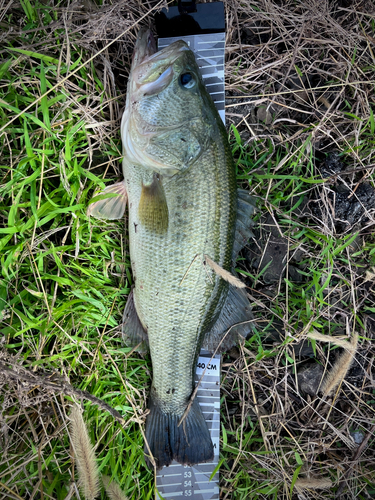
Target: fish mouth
152,71
145,47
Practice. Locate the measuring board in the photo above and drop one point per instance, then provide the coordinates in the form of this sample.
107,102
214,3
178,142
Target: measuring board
178,480
210,52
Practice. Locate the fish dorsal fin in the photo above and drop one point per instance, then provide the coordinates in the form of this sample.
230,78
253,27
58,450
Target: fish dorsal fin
109,204
245,209
235,311
133,332
153,208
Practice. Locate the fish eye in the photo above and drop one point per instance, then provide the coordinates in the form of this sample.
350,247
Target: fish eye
187,80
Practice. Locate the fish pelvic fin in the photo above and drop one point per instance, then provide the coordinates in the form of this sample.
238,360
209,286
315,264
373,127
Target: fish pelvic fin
134,333
153,208
109,204
188,443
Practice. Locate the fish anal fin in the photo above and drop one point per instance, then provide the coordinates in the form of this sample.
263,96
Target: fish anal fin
109,204
233,324
133,332
153,209
246,207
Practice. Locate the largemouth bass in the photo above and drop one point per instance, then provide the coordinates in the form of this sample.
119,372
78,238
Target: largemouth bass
187,223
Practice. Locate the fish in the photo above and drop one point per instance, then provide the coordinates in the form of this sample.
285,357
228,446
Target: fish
187,222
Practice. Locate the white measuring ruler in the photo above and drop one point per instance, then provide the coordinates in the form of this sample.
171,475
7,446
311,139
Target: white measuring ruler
210,54
178,480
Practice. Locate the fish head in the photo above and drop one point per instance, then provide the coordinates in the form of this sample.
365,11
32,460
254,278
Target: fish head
169,115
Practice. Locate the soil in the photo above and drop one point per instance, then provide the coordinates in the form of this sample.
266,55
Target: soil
309,378
346,203
267,254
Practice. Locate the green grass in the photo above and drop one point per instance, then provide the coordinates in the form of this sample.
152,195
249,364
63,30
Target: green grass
65,278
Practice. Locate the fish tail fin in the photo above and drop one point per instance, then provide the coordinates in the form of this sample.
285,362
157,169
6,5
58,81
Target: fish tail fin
188,443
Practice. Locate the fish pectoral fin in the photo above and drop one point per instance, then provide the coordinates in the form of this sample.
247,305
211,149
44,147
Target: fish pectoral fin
133,332
223,273
234,324
153,208
246,207
109,204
